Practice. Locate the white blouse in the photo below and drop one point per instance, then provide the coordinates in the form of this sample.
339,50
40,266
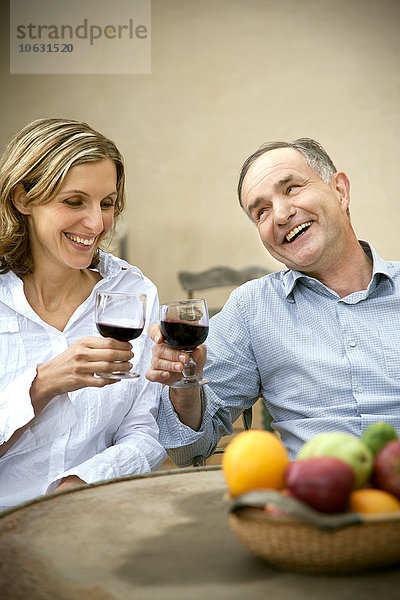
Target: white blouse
94,433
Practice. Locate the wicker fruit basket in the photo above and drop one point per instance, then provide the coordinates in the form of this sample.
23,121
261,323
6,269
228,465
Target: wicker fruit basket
289,535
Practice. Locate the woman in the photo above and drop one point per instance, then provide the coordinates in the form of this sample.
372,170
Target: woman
62,185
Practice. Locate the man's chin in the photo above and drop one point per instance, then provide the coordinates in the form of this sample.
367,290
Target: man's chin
304,267
281,258
301,258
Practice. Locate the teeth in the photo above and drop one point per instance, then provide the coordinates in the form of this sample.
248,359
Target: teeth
296,230
80,240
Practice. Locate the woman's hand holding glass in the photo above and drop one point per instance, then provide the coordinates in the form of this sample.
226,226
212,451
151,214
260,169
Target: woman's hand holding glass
94,361
120,316
74,368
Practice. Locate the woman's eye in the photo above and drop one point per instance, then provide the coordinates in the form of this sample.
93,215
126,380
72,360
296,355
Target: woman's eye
108,204
73,203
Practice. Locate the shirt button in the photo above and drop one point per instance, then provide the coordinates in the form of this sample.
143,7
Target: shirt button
352,344
359,388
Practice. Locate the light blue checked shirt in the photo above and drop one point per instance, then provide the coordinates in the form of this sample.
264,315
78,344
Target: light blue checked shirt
321,362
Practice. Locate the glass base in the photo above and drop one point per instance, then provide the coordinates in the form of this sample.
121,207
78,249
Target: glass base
189,382
118,375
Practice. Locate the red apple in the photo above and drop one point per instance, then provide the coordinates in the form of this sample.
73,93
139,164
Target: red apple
322,482
387,468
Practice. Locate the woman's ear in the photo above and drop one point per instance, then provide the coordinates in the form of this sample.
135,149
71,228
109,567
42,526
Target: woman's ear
19,199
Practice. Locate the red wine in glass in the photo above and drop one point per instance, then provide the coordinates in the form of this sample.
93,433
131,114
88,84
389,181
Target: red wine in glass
122,334
120,316
183,336
184,326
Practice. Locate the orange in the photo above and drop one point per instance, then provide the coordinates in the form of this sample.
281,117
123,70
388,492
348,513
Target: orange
370,500
254,459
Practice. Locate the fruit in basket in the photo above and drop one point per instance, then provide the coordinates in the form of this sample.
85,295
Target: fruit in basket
254,459
345,446
371,500
387,468
322,482
377,435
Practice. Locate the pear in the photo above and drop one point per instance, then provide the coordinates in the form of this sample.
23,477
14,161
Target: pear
345,446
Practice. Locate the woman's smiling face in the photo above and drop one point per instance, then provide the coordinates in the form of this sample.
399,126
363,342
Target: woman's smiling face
67,230
301,219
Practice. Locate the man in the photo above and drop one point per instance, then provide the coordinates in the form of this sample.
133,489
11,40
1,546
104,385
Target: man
319,340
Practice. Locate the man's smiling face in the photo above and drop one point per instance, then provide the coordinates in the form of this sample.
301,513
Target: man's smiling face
301,219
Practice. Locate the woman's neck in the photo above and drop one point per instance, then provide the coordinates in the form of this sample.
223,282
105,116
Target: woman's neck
55,298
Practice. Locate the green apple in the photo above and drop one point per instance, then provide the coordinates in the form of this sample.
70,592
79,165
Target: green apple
342,445
377,435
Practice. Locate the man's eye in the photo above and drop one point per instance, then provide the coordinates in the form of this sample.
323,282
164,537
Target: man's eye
261,214
291,188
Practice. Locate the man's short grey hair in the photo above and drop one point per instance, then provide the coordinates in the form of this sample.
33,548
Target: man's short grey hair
315,155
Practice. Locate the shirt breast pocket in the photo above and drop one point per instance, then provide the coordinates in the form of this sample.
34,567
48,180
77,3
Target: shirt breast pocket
13,357
390,338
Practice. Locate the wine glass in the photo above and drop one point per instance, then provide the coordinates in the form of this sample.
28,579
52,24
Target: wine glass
184,325
120,316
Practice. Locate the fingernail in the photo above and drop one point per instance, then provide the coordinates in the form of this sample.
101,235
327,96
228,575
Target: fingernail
182,357
178,366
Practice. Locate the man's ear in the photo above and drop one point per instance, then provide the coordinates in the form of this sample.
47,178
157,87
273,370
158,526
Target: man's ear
341,184
19,199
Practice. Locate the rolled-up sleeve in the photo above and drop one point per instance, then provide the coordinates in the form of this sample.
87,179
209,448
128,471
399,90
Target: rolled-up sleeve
234,386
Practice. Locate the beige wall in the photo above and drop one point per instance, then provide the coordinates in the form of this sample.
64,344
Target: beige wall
228,75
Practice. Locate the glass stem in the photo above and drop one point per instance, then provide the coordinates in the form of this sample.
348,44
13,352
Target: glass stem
189,372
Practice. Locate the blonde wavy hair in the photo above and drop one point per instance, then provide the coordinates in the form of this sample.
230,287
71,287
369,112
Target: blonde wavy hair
39,157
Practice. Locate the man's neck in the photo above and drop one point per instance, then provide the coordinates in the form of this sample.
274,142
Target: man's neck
351,274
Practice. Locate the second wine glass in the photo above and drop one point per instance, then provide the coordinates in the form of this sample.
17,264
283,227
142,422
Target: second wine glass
120,316
184,325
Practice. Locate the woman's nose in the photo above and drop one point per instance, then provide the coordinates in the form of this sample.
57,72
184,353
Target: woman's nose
94,219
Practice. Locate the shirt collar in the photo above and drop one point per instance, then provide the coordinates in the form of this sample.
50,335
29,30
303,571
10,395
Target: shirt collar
379,267
111,266
108,266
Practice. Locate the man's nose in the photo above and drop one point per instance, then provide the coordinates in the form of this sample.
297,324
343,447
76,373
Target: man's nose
283,211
